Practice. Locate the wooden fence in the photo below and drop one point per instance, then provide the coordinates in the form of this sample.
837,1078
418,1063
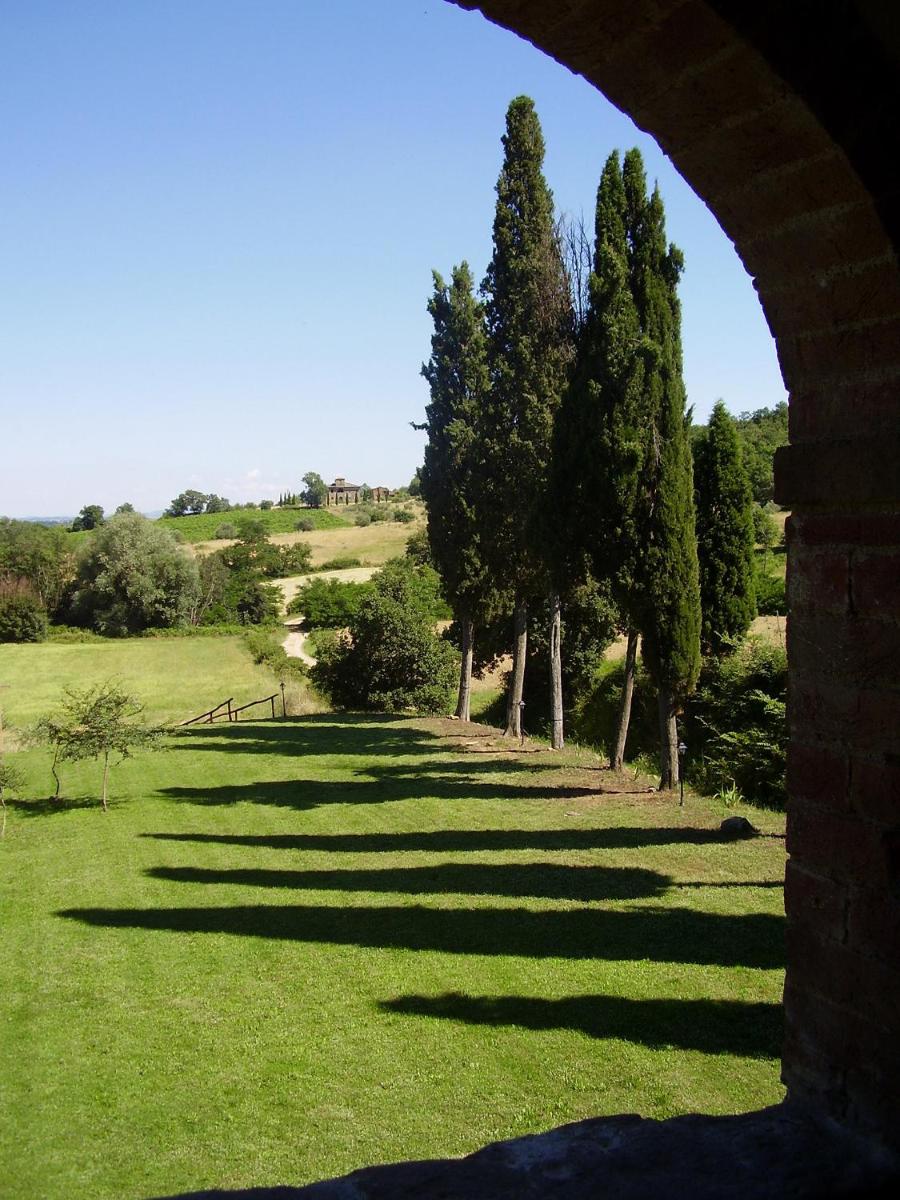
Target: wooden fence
227,711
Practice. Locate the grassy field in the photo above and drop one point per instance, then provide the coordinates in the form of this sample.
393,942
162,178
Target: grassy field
201,527
295,947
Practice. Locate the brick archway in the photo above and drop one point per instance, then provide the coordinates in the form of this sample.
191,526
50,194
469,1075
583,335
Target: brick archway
780,116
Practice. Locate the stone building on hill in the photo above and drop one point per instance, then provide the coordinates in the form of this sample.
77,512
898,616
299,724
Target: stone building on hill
342,492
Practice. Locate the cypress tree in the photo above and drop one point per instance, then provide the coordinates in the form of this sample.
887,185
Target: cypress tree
458,378
529,351
725,534
668,595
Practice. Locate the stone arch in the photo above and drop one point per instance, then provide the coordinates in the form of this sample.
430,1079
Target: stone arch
780,116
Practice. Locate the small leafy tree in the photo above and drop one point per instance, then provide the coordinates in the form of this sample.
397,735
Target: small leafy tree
218,504
314,493
186,503
90,517
22,616
127,507
96,722
11,780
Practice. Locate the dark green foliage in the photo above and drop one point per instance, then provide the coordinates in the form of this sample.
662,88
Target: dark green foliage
132,576
218,504
418,548
315,492
771,597
725,535
403,516
366,494
225,531
415,484
305,525
22,616
451,477
417,587
530,350
391,659
264,505
762,433
736,726
124,508
186,503
342,563
765,530
90,517
329,603
42,555
265,648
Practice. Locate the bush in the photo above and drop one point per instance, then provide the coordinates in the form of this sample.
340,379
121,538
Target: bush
266,649
343,563
22,616
771,596
305,525
329,603
403,515
736,724
225,530
391,660
265,505
362,519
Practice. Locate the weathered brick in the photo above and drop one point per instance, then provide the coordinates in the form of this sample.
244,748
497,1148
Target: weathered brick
875,787
844,529
864,720
820,772
820,577
859,651
839,411
838,353
876,585
817,901
843,976
838,846
874,924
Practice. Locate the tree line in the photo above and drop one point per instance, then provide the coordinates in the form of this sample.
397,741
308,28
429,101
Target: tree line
559,464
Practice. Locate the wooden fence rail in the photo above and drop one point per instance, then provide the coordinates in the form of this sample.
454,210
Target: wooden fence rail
226,711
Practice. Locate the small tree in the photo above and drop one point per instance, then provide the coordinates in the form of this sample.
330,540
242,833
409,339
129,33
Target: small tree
127,507
97,722
186,503
22,616
90,517
314,493
11,780
218,504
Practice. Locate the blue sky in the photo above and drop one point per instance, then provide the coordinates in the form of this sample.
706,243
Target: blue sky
219,223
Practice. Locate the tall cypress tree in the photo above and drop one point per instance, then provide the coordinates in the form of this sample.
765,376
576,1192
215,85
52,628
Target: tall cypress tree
529,351
725,535
668,595
458,377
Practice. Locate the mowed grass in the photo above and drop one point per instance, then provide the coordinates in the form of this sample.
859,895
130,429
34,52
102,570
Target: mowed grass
295,947
175,678
201,527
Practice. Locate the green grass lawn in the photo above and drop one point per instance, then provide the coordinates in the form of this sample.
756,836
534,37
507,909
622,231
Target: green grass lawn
295,947
201,527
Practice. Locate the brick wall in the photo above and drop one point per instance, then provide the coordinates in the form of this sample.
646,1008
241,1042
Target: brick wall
785,127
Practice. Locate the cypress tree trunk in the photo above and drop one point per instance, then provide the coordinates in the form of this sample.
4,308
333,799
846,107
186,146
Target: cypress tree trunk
105,778
668,740
465,670
517,678
556,697
618,754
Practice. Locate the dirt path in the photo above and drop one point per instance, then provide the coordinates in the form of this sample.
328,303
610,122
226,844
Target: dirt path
295,646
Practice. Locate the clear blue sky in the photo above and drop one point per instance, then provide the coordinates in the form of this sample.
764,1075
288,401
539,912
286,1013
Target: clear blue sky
219,223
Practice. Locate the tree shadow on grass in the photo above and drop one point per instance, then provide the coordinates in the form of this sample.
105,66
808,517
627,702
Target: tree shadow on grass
320,734
50,806
710,1026
659,934
372,786
462,840
541,880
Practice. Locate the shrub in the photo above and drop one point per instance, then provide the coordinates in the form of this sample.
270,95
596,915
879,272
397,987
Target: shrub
329,603
22,616
391,659
225,530
305,525
343,563
266,649
771,597
265,505
403,515
362,519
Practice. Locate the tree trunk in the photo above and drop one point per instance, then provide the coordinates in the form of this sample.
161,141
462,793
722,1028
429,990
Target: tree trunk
56,774
465,669
105,778
618,755
556,696
668,741
517,677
